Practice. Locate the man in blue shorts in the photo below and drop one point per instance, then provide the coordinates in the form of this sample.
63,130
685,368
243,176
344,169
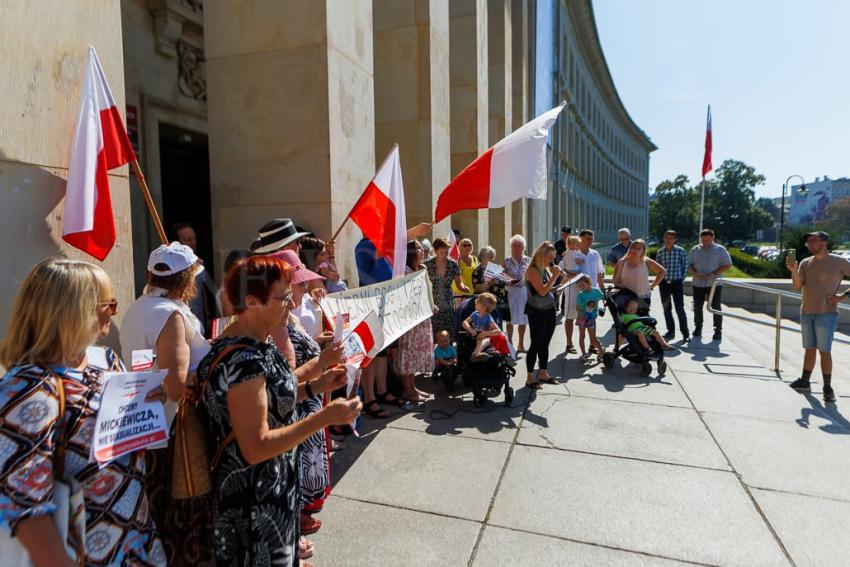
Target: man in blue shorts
819,276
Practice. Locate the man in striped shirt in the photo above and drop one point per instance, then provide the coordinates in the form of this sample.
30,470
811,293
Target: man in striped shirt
675,260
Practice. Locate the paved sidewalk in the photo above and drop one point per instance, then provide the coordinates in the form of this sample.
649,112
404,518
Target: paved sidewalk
716,463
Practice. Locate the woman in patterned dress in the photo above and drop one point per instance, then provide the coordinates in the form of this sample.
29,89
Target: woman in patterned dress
62,308
415,347
300,349
515,266
252,393
443,271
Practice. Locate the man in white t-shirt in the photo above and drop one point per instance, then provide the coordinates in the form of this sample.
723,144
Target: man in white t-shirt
593,266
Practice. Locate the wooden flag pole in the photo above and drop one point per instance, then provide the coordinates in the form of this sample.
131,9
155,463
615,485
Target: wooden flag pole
149,200
333,238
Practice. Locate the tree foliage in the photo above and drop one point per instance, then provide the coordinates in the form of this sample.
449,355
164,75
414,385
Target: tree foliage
731,208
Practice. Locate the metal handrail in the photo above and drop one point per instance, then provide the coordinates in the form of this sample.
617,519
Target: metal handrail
779,293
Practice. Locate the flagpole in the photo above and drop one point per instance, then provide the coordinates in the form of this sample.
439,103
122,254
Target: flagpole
345,220
149,200
701,202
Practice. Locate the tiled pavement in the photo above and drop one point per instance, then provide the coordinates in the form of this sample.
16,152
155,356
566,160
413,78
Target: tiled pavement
716,463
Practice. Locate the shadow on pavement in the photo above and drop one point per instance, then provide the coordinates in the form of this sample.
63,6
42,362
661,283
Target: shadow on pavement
839,424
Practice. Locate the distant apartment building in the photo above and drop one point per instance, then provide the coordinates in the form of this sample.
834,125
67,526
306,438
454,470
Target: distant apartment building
810,201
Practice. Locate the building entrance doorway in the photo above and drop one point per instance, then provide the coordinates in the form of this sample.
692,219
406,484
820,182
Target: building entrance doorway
185,177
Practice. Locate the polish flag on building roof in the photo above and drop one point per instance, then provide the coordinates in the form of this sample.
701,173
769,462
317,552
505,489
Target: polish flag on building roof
100,144
380,213
512,169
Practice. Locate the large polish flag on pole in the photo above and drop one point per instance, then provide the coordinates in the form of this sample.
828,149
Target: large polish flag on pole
100,144
380,213
706,158
512,169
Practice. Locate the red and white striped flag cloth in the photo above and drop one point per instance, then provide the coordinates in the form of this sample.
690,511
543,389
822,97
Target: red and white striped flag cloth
100,144
512,169
706,158
380,213
454,250
369,337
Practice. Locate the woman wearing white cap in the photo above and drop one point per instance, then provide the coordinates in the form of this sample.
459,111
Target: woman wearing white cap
160,320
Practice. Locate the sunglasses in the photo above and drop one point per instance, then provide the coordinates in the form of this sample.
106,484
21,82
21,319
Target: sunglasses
466,245
112,304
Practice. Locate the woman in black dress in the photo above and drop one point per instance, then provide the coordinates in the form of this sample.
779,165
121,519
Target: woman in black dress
252,393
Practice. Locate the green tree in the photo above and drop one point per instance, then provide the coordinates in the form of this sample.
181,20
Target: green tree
767,204
675,205
730,204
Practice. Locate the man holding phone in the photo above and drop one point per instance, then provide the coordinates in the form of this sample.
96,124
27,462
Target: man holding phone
819,277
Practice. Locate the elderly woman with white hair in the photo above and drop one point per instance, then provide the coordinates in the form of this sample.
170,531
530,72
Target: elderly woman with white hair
515,266
482,283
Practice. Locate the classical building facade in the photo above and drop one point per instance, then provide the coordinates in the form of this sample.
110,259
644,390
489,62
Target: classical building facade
599,159
244,111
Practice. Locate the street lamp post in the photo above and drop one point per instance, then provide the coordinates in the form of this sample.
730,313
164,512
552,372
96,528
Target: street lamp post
782,209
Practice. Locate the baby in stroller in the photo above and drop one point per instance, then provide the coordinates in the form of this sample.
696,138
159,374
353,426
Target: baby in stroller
631,320
480,324
445,358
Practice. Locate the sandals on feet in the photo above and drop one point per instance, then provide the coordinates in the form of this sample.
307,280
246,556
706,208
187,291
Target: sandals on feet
533,385
383,399
374,410
546,380
571,349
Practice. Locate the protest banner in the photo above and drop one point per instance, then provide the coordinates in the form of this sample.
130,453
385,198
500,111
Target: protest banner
125,421
400,304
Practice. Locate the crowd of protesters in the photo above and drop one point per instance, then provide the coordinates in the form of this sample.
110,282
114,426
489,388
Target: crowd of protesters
263,386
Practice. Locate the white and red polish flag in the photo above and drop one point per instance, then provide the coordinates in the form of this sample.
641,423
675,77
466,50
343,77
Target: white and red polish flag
380,213
512,169
100,144
706,158
454,250
368,340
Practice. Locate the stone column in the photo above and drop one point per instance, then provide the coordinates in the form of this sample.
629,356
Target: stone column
43,61
469,100
519,93
411,50
500,56
291,116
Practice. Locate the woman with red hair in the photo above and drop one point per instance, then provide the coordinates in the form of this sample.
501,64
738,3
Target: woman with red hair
250,397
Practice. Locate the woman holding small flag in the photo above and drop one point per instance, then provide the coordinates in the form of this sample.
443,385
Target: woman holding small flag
251,396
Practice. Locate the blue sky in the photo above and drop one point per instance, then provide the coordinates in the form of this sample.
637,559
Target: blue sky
776,72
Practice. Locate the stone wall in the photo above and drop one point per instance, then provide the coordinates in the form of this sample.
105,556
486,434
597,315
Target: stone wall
44,50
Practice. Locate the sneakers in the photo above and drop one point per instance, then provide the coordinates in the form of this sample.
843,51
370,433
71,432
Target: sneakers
697,332
828,395
479,357
669,335
803,385
686,337
717,336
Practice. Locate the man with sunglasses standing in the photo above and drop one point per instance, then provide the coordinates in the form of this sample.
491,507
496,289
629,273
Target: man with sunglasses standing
819,277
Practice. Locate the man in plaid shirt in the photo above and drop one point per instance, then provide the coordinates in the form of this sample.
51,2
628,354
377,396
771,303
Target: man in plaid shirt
675,261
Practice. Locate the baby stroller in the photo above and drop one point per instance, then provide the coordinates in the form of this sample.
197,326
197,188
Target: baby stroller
487,378
632,350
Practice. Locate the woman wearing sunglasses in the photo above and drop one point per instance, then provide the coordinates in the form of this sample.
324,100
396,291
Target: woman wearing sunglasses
62,308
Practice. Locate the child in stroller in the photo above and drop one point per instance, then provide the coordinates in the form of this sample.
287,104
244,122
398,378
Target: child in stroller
480,324
636,327
643,342
488,377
